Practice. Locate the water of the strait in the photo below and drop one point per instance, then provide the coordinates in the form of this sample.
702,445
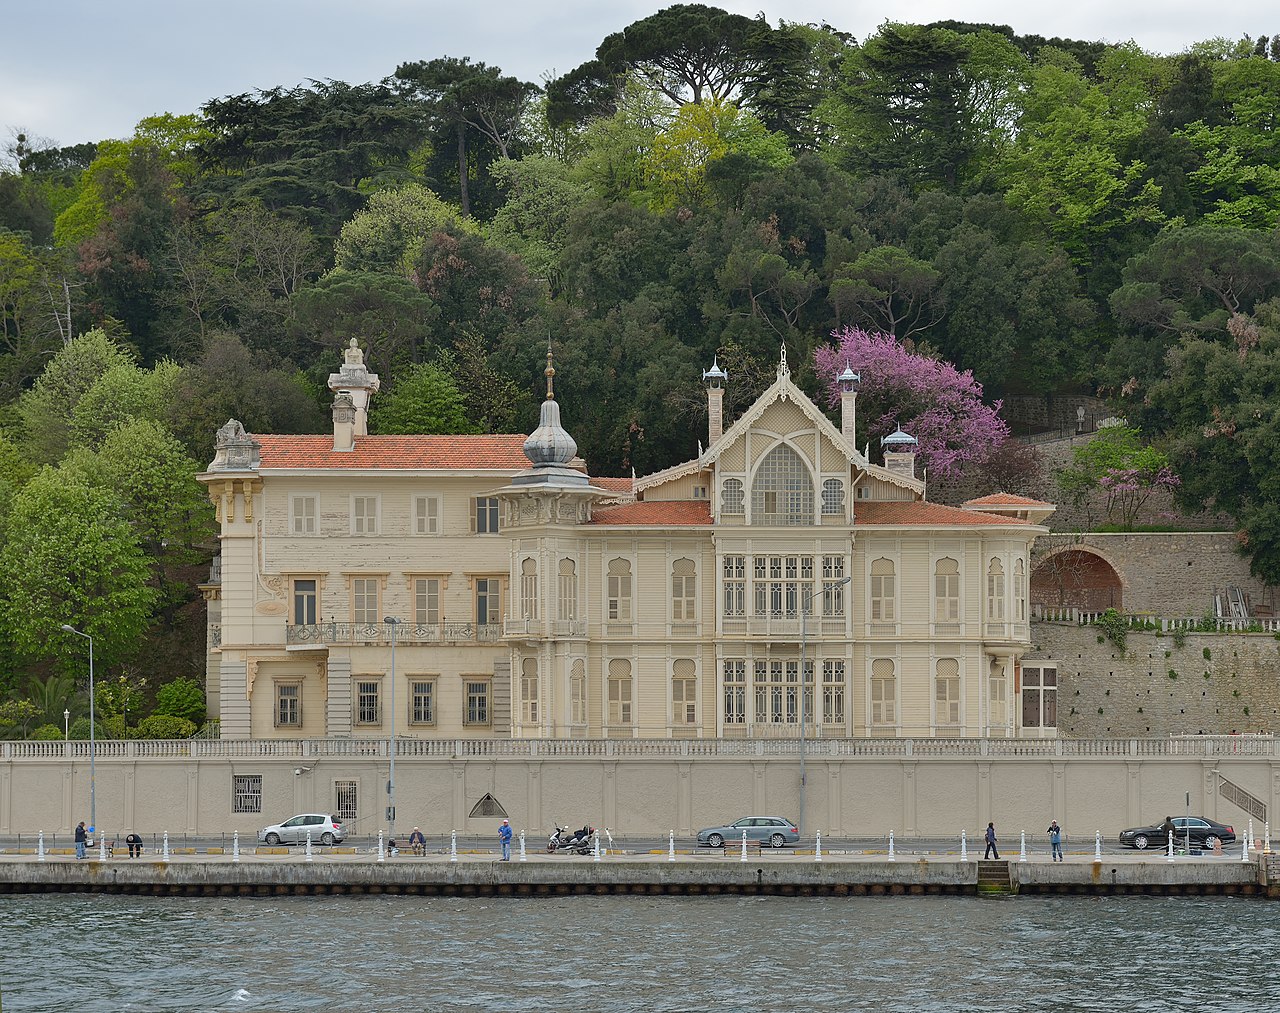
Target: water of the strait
86,953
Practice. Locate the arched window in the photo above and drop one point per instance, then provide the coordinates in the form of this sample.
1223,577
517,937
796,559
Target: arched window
619,590
946,591
995,591
684,592
946,695
884,595
568,590
884,694
684,692
529,690
529,588
782,491
833,496
577,694
1019,592
619,691
732,500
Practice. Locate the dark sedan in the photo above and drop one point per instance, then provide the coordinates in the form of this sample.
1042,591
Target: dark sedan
1204,834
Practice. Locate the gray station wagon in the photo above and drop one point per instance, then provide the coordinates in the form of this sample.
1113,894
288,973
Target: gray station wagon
772,830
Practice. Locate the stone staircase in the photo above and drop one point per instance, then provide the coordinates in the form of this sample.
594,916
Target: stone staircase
994,879
1237,796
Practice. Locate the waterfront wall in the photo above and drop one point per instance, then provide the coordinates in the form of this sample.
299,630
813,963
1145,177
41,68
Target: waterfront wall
853,786
1195,684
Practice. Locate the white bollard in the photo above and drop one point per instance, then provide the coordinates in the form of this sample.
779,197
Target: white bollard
595,851
1244,850
817,847
891,858
522,854
1022,846
382,855
166,846
40,848
964,847
671,847
1266,838
1097,845
1171,845
102,848
453,845
1252,845
235,846
308,845
744,847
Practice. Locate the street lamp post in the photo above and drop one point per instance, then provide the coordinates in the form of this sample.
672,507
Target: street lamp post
93,745
806,601
392,623
66,726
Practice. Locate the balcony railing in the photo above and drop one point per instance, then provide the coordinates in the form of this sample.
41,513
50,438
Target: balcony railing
406,633
1154,623
536,629
1189,747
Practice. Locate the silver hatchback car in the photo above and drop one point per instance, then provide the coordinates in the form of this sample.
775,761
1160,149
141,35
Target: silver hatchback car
323,829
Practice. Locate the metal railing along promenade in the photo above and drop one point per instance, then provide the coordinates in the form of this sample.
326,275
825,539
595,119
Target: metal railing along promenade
1174,747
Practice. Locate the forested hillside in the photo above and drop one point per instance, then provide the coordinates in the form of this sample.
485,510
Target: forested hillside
1055,215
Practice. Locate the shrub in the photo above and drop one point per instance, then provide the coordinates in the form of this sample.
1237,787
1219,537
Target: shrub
1208,655
165,726
47,733
181,698
1180,638
1113,627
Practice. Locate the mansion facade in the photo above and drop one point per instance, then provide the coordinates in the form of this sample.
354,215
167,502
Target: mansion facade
487,587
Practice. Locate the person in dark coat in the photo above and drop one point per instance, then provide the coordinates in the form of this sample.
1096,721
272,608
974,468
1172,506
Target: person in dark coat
991,842
1055,842
135,845
82,839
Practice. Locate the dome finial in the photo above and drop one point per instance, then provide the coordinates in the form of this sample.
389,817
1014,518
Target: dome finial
550,372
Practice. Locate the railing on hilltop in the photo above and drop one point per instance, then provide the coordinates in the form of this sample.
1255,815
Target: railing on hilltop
1156,624
1190,746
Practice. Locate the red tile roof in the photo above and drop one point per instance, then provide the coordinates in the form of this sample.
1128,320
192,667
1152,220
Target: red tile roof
612,484
906,512
1006,499
660,514
503,452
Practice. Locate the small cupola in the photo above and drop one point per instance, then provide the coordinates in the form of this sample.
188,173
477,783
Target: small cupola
715,378
550,449
899,451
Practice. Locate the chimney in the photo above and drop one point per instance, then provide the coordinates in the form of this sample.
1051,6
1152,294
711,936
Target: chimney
900,452
358,385
715,378
848,381
344,422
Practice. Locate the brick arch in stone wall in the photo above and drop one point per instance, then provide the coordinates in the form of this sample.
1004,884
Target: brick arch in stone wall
1077,577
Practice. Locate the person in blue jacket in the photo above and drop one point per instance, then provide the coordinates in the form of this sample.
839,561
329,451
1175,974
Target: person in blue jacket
81,839
504,836
991,842
1055,842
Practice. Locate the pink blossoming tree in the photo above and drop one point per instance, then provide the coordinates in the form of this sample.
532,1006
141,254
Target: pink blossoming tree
933,401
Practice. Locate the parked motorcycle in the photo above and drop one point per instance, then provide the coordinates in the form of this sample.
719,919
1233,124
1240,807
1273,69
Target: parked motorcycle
573,842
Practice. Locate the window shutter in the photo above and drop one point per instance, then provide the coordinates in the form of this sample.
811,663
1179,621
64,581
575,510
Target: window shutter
474,508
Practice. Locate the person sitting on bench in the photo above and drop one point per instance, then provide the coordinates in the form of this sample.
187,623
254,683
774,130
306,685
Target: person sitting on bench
417,843
135,845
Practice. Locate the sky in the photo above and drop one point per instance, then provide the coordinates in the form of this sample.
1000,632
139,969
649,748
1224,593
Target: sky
99,67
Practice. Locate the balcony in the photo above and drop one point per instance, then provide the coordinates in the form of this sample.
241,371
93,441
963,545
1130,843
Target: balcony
322,634
781,627
536,629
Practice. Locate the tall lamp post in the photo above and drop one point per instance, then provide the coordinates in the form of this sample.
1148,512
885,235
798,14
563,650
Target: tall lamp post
392,623
93,746
66,726
806,601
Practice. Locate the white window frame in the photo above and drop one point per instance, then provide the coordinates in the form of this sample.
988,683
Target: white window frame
427,600
426,515
882,602
432,696
946,591
366,524
360,590
366,713
281,686
477,700
302,515
485,516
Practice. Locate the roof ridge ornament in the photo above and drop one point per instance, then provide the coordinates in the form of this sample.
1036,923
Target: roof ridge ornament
782,362
550,373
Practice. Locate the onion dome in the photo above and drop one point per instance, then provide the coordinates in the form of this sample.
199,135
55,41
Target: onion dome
550,443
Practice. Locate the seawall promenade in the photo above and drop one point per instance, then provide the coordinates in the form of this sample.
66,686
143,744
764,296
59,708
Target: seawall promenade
789,874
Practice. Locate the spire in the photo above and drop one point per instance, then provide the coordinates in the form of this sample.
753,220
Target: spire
782,363
550,373
550,448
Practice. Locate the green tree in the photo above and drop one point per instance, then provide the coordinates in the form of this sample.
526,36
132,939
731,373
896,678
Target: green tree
70,558
15,716
886,289
117,697
1118,463
386,311
120,395
182,698
386,235
532,223
423,399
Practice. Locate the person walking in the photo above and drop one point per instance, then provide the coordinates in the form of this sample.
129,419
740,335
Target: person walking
81,839
504,836
991,842
1055,842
